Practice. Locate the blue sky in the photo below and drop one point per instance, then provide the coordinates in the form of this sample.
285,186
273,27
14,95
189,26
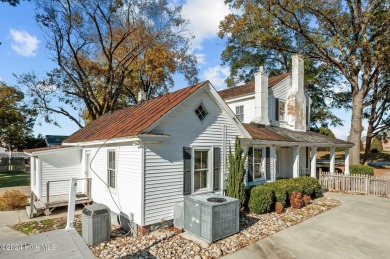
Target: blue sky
23,50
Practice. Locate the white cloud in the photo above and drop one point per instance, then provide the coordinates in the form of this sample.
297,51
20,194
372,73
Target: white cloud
201,58
23,43
216,75
204,16
341,132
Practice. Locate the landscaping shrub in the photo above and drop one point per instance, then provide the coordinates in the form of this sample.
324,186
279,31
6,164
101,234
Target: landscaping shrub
13,199
279,207
310,186
296,200
279,191
361,169
306,200
261,199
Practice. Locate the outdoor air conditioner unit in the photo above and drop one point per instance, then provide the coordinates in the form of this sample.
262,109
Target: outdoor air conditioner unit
210,216
96,224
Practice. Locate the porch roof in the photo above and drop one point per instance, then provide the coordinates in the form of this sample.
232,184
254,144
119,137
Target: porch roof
283,135
42,150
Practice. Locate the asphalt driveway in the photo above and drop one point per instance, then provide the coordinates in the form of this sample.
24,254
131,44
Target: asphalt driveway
358,228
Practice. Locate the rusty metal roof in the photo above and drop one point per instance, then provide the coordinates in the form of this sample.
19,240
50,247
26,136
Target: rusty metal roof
133,120
260,132
249,88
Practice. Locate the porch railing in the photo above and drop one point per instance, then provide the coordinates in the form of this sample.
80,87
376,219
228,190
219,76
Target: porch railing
304,172
88,192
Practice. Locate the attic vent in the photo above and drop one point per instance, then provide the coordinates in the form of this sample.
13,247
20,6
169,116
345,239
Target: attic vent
201,112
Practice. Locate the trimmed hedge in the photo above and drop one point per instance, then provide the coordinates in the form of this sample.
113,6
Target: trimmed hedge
261,199
361,169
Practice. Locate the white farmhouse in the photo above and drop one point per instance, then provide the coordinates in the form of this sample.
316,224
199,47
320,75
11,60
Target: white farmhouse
144,158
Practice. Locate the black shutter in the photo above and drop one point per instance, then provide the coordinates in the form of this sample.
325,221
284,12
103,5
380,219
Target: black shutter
217,168
186,170
276,109
250,164
268,163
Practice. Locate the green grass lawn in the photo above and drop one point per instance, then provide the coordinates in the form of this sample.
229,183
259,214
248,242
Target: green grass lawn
12,179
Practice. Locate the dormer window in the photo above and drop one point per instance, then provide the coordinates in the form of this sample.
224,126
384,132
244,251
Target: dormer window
201,112
240,112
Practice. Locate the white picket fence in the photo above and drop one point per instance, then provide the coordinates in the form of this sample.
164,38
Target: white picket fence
368,185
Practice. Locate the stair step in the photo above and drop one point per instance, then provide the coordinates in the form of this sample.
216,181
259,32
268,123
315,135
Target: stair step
28,210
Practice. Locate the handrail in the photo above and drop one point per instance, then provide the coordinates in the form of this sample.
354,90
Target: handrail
64,180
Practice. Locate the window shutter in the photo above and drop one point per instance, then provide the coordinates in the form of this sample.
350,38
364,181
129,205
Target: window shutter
276,109
250,164
217,169
268,163
186,170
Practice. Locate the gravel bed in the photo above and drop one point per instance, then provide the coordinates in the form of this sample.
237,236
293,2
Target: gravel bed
166,243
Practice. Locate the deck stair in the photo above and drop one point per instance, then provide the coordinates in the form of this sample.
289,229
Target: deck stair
48,203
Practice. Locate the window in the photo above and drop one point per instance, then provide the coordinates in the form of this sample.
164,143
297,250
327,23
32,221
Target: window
111,169
201,112
282,110
255,164
201,169
240,112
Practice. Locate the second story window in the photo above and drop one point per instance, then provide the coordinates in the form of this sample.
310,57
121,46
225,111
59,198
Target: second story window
240,112
280,110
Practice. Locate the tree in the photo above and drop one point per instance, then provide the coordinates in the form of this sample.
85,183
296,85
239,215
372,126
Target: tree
34,142
377,112
244,56
16,119
107,51
351,36
11,2
235,181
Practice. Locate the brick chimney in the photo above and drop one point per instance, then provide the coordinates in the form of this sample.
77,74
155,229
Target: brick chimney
296,102
261,98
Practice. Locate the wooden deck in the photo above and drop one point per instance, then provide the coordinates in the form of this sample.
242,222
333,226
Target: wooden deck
54,244
41,206
48,203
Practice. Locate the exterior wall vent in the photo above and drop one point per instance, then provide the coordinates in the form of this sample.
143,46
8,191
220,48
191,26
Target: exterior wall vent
210,216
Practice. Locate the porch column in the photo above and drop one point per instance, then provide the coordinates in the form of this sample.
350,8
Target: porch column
246,165
313,168
39,177
32,173
273,162
332,160
295,161
346,170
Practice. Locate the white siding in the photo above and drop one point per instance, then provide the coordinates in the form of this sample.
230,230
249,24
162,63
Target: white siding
60,166
249,108
127,194
164,161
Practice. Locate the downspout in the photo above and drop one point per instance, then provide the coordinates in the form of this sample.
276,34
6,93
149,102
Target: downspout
224,138
142,184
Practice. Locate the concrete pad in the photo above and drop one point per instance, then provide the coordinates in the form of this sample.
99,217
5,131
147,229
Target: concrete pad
195,239
13,217
7,232
359,228
54,244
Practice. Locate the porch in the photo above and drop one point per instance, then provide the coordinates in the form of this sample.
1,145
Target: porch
46,204
277,153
